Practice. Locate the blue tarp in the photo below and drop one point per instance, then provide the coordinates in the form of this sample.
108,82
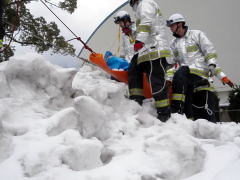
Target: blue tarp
115,63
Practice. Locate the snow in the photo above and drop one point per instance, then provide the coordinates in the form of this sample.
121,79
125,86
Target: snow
60,124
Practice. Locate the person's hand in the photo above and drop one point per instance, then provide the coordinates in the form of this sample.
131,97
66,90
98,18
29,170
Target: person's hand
211,69
138,45
127,31
227,81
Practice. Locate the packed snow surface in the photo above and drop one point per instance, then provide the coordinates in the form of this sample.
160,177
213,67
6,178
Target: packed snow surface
58,124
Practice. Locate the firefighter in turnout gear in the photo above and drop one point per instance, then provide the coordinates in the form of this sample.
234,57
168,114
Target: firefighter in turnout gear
152,56
123,19
205,104
196,56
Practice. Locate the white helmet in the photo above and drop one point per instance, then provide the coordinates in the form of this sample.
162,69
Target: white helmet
121,16
175,18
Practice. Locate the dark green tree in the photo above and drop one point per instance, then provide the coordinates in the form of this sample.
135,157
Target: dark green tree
234,106
20,26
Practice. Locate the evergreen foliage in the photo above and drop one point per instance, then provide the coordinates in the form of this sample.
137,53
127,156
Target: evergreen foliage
32,31
234,107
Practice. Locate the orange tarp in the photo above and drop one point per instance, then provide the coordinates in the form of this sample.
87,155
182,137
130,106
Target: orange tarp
122,76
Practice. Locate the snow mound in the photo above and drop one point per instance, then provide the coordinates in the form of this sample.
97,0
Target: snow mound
63,124
94,120
33,78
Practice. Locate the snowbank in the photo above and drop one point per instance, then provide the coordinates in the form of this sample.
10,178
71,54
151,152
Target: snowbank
63,124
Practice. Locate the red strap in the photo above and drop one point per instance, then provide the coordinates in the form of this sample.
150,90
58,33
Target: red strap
85,45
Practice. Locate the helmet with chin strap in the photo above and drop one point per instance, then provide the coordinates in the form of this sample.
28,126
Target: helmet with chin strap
175,18
122,16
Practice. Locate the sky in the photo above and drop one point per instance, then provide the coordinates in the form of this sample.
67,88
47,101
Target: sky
62,123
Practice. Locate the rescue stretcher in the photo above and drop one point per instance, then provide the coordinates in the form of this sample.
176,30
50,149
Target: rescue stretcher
122,76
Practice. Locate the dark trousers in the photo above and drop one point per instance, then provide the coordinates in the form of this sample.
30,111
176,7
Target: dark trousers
155,71
200,99
183,85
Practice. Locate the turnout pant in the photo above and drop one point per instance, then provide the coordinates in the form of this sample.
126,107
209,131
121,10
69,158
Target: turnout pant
182,86
155,71
200,99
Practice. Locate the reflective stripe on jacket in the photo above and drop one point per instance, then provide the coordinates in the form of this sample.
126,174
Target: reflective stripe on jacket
218,73
151,31
194,50
170,73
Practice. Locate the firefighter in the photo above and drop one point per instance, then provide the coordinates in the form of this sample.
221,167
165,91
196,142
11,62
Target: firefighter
196,56
152,56
205,102
123,19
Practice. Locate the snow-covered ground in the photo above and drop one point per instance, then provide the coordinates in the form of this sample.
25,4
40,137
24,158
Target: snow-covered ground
58,124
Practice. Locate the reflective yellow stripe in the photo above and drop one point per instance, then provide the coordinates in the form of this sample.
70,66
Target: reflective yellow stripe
218,71
1,43
193,48
204,89
138,22
143,58
136,92
210,56
119,41
162,103
144,28
154,55
131,39
165,53
170,72
159,12
178,97
199,72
